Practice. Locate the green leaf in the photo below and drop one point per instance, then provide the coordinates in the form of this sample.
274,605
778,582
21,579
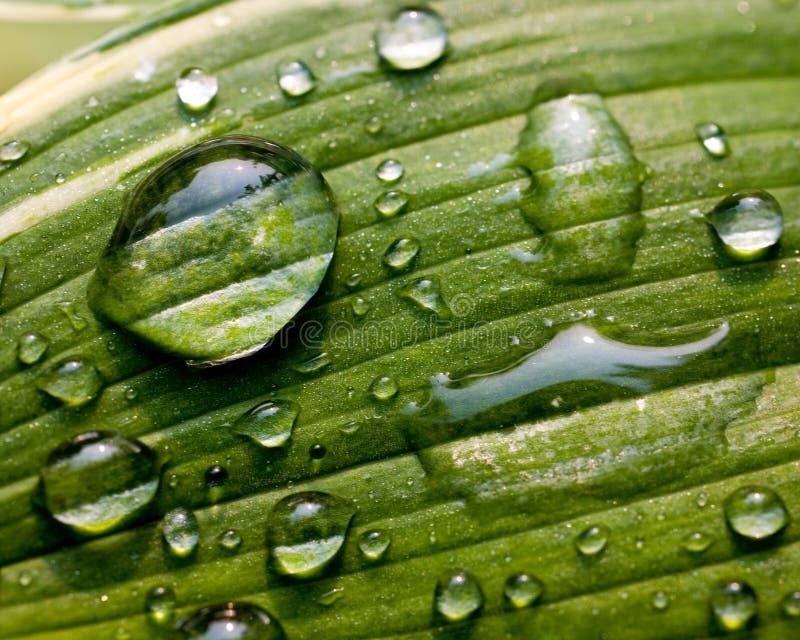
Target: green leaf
532,231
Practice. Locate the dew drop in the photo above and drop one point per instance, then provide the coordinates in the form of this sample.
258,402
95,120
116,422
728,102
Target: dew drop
390,203
230,621
383,388
317,451
389,171
733,605
331,597
60,178
181,532
25,579
401,253
75,320
713,139
458,596
425,294
230,540
295,78
756,513
75,381
660,601
522,590
217,249
360,307
99,480
373,126
592,540
374,544
160,605
196,89
313,364
791,604
270,423
749,223
306,532
412,38
13,151
215,476
31,348
697,542
353,280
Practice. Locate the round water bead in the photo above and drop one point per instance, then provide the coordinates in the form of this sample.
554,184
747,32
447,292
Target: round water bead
373,544
181,532
749,223
160,605
217,249
522,590
230,621
270,423
733,605
592,540
389,171
295,78
196,89
458,596
412,38
756,513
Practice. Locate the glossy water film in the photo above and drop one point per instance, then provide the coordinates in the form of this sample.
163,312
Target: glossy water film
217,249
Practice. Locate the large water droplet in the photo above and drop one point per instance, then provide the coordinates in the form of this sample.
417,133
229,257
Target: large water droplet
383,388
181,532
791,604
401,253
160,605
374,544
230,621
270,423
412,38
196,89
306,531
522,590
749,223
13,151
389,171
31,347
217,249
295,78
74,381
756,513
390,203
713,139
592,540
733,605
426,294
458,596
97,481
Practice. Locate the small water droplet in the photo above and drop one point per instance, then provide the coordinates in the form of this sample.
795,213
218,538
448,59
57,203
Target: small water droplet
383,388
270,423
295,78
702,500
522,590
733,605
749,223
25,578
374,126
660,601
13,151
791,604
389,171
317,451
412,38
697,542
230,540
74,381
592,540
331,597
181,532
360,307
215,476
458,596
68,309
714,139
313,364
401,253
353,280
99,480
60,178
756,513
31,347
160,605
306,531
373,544
196,89
230,621
425,294
390,203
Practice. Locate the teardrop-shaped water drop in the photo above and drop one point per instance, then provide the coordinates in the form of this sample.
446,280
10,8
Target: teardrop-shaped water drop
383,388
295,78
230,621
592,540
426,294
230,540
412,38
756,513
749,223
196,89
217,249
791,604
360,307
306,532
389,171
401,253
733,605
98,481
713,139
160,605
270,423
390,203
353,280
13,150
458,596
697,542
522,590
374,544
181,532
31,347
